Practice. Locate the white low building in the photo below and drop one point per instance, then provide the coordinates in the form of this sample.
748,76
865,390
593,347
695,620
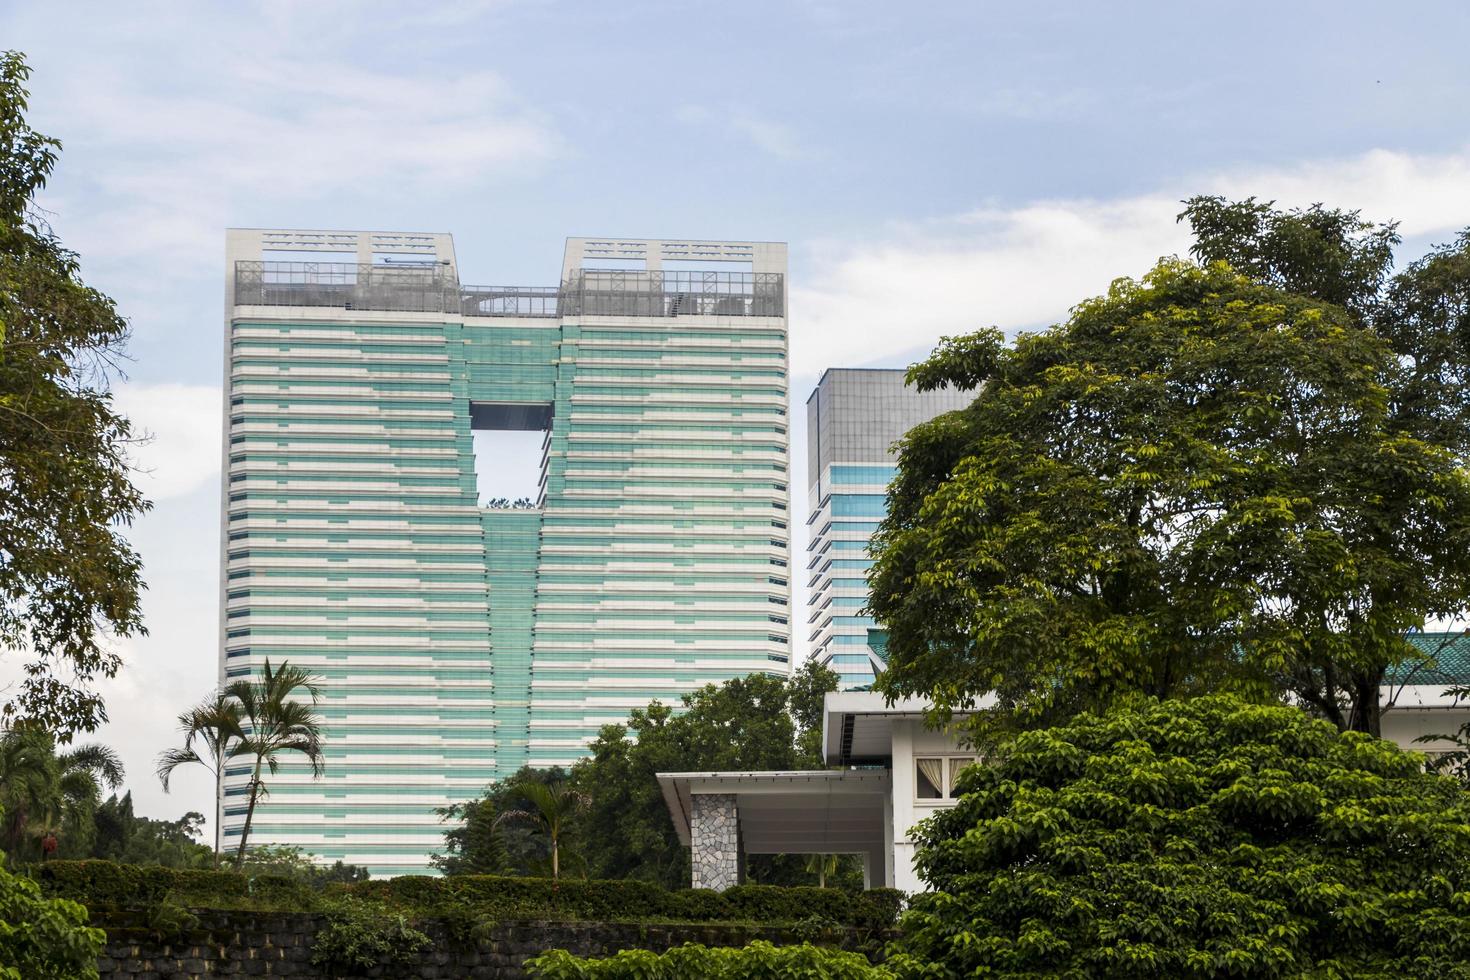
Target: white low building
895,771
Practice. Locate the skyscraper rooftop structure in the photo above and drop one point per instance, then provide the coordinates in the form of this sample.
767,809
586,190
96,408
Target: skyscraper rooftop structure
458,639
854,416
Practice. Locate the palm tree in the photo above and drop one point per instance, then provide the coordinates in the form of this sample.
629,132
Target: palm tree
29,780
822,865
83,771
554,806
276,723
42,790
212,736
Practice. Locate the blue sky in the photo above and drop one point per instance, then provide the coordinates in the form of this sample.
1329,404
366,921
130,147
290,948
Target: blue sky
935,167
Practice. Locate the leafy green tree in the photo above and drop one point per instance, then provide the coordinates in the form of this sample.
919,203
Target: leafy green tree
289,861
750,723
1194,839
474,845
274,723
553,808
69,580
126,838
44,938
1195,483
212,735
45,792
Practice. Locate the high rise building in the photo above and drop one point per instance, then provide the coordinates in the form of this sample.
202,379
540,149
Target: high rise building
457,642
854,416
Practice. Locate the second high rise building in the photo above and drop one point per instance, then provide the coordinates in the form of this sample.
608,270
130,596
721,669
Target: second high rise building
457,642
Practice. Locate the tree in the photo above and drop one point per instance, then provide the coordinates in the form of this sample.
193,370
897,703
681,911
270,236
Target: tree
749,723
44,938
45,792
823,866
68,577
212,736
1194,839
275,723
1195,482
554,807
126,838
474,845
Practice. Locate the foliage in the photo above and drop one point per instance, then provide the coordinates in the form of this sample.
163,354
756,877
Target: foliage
44,938
45,792
103,885
212,736
359,937
489,897
1456,761
474,845
553,806
1197,482
129,839
750,723
69,580
276,723
1194,839
291,862
694,962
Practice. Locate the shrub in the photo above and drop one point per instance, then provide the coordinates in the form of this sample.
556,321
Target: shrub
694,962
103,885
1195,839
463,900
359,936
492,897
44,938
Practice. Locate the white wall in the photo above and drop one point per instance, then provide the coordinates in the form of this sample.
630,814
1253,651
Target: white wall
912,740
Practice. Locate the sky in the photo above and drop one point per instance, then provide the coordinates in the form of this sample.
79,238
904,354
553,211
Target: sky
935,168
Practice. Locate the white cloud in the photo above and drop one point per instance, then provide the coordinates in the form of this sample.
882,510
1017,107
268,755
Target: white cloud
277,107
1023,267
180,425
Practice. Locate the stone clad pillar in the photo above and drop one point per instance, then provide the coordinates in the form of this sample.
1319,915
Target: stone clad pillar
714,841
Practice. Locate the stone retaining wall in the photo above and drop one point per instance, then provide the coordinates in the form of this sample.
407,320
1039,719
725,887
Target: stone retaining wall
264,944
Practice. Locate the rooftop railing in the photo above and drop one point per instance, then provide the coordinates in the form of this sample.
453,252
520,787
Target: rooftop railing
434,289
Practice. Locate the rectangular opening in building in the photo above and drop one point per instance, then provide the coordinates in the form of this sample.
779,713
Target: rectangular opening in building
509,442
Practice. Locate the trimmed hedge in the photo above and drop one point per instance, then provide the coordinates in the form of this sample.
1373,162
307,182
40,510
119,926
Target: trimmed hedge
102,885
694,962
494,897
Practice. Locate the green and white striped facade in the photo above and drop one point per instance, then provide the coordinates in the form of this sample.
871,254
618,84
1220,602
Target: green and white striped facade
457,643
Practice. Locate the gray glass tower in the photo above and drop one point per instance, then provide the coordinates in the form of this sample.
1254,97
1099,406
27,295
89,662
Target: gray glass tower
853,418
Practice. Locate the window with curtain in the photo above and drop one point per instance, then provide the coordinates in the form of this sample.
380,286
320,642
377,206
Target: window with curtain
929,779
955,765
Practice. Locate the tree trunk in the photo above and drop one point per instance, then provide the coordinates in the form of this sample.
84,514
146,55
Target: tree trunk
219,811
249,814
555,860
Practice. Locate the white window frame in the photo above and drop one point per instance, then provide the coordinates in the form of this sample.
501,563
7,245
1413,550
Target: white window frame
950,764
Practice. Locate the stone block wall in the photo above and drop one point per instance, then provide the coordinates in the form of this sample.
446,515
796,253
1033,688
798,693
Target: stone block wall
714,841
262,944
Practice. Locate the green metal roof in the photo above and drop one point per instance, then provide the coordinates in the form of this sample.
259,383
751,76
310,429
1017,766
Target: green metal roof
1450,652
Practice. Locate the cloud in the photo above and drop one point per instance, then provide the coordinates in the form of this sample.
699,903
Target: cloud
277,108
181,426
1023,267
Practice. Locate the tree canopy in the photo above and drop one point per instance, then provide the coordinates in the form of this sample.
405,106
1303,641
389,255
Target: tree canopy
750,723
1200,479
69,580
1195,839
